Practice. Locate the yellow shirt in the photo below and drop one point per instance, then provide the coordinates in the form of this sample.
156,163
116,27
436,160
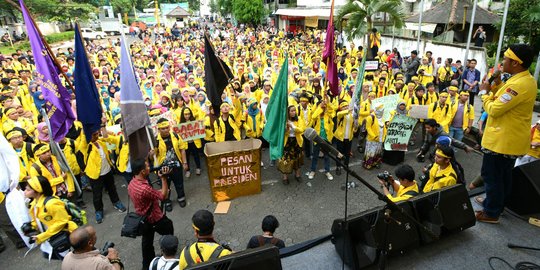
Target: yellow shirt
510,111
535,152
440,178
206,249
401,194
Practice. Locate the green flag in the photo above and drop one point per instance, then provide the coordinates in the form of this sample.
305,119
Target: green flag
276,114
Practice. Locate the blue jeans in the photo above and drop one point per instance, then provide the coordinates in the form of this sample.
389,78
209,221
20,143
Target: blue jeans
456,133
315,159
497,175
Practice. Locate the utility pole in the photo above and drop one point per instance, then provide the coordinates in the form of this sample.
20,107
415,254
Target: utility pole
420,12
471,25
501,35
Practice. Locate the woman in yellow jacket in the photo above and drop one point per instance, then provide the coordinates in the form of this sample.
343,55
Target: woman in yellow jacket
226,127
323,124
61,182
253,120
48,213
344,132
376,132
193,147
364,111
293,157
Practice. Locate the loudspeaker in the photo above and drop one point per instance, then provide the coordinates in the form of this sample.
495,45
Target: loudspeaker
444,211
393,157
525,193
359,239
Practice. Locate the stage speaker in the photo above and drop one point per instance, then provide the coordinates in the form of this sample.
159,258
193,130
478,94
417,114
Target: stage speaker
444,211
359,239
525,193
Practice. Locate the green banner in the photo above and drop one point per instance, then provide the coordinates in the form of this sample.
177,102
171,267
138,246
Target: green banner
398,133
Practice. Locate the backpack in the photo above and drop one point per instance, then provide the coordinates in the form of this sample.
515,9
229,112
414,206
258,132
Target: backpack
460,177
77,214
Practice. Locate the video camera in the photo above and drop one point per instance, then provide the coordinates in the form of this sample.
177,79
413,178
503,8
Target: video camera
29,231
171,165
386,177
105,249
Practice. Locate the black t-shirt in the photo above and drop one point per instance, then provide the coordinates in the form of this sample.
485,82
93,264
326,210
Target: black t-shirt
170,156
255,241
229,131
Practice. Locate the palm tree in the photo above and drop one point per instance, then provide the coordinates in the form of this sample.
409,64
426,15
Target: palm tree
359,15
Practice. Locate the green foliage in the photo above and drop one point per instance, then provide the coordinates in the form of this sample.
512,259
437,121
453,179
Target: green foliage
248,11
194,5
358,15
121,6
25,45
214,8
225,7
58,10
522,22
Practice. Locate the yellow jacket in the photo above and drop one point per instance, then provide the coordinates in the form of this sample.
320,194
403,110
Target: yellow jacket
93,159
508,126
26,124
440,179
70,149
468,113
259,124
404,193
428,74
535,138
178,144
26,158
298,131
443,115
219,128
205,248
43,171
122,154
433,97
373,129
327,116
208,130
339,133
53,216
305,117
365,111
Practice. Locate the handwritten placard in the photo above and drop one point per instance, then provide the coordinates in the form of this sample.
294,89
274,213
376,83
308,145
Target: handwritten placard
419,111
398,133
190,131
389,102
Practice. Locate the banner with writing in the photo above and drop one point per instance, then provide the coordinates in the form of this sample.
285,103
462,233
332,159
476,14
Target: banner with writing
390,103
234,168
419,111
167,115
311,22
398,133
190,131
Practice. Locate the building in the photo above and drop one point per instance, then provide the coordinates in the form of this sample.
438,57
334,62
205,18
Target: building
306,14
177,15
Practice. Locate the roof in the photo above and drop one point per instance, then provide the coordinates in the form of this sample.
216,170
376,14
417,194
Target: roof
442,12
306,12
178,12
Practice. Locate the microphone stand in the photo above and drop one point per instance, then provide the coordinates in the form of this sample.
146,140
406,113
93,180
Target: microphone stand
390,206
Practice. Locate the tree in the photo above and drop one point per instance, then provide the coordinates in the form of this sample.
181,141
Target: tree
522,23
56,10
359,15
121,6
194,5
248,11
225,7
214,8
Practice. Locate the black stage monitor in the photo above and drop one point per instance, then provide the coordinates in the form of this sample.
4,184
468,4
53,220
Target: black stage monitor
262,258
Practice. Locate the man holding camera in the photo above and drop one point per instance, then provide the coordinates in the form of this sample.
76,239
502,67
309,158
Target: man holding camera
146,201
86,256
405,189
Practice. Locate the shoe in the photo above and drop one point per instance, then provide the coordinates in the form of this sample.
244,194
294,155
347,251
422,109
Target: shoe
120,207
338,171
168,206
20,245
99,217
479,200
311,175
329,176
482,217
182,203
298,178
87,188
285,181
188,174
198,171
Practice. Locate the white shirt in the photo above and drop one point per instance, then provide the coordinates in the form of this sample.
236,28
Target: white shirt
163,264
347,126
105,167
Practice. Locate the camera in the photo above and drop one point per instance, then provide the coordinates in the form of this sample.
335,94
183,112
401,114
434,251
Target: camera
105,249
421,72
385,176
171,165
29,231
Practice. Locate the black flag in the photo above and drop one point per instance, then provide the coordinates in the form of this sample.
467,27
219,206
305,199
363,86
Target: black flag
217,75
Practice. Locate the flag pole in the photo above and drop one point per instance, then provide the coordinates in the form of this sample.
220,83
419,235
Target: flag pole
60,155
49,50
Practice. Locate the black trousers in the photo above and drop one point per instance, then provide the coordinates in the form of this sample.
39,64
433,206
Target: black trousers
164,227
345,148
193,151
105,181
7,227
177,178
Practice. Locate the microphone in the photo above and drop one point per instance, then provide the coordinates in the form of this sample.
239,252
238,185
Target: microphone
327,148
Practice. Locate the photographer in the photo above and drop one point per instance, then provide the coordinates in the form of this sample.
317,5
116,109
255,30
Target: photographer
146,201
86,256
405,189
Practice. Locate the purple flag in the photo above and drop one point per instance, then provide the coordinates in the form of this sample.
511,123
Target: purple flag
329,55
57,97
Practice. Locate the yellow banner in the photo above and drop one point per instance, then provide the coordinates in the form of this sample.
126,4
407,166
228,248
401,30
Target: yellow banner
312,22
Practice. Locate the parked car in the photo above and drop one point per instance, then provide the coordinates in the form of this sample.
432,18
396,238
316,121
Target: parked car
88,33
112,27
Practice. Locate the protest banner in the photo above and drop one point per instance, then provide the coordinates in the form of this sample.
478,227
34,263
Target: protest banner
234,168
167,115
390,103
419,111
372,65
190,131
398,133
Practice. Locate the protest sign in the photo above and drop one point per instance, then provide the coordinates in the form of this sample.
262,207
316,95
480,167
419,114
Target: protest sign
419,111
190,131
398,133
234,168
167,115
372,65
390,103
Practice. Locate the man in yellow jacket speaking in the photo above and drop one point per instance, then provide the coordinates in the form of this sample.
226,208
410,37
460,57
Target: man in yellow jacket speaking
507,132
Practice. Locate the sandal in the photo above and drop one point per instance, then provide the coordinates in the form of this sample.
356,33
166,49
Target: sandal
286,181
298,178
